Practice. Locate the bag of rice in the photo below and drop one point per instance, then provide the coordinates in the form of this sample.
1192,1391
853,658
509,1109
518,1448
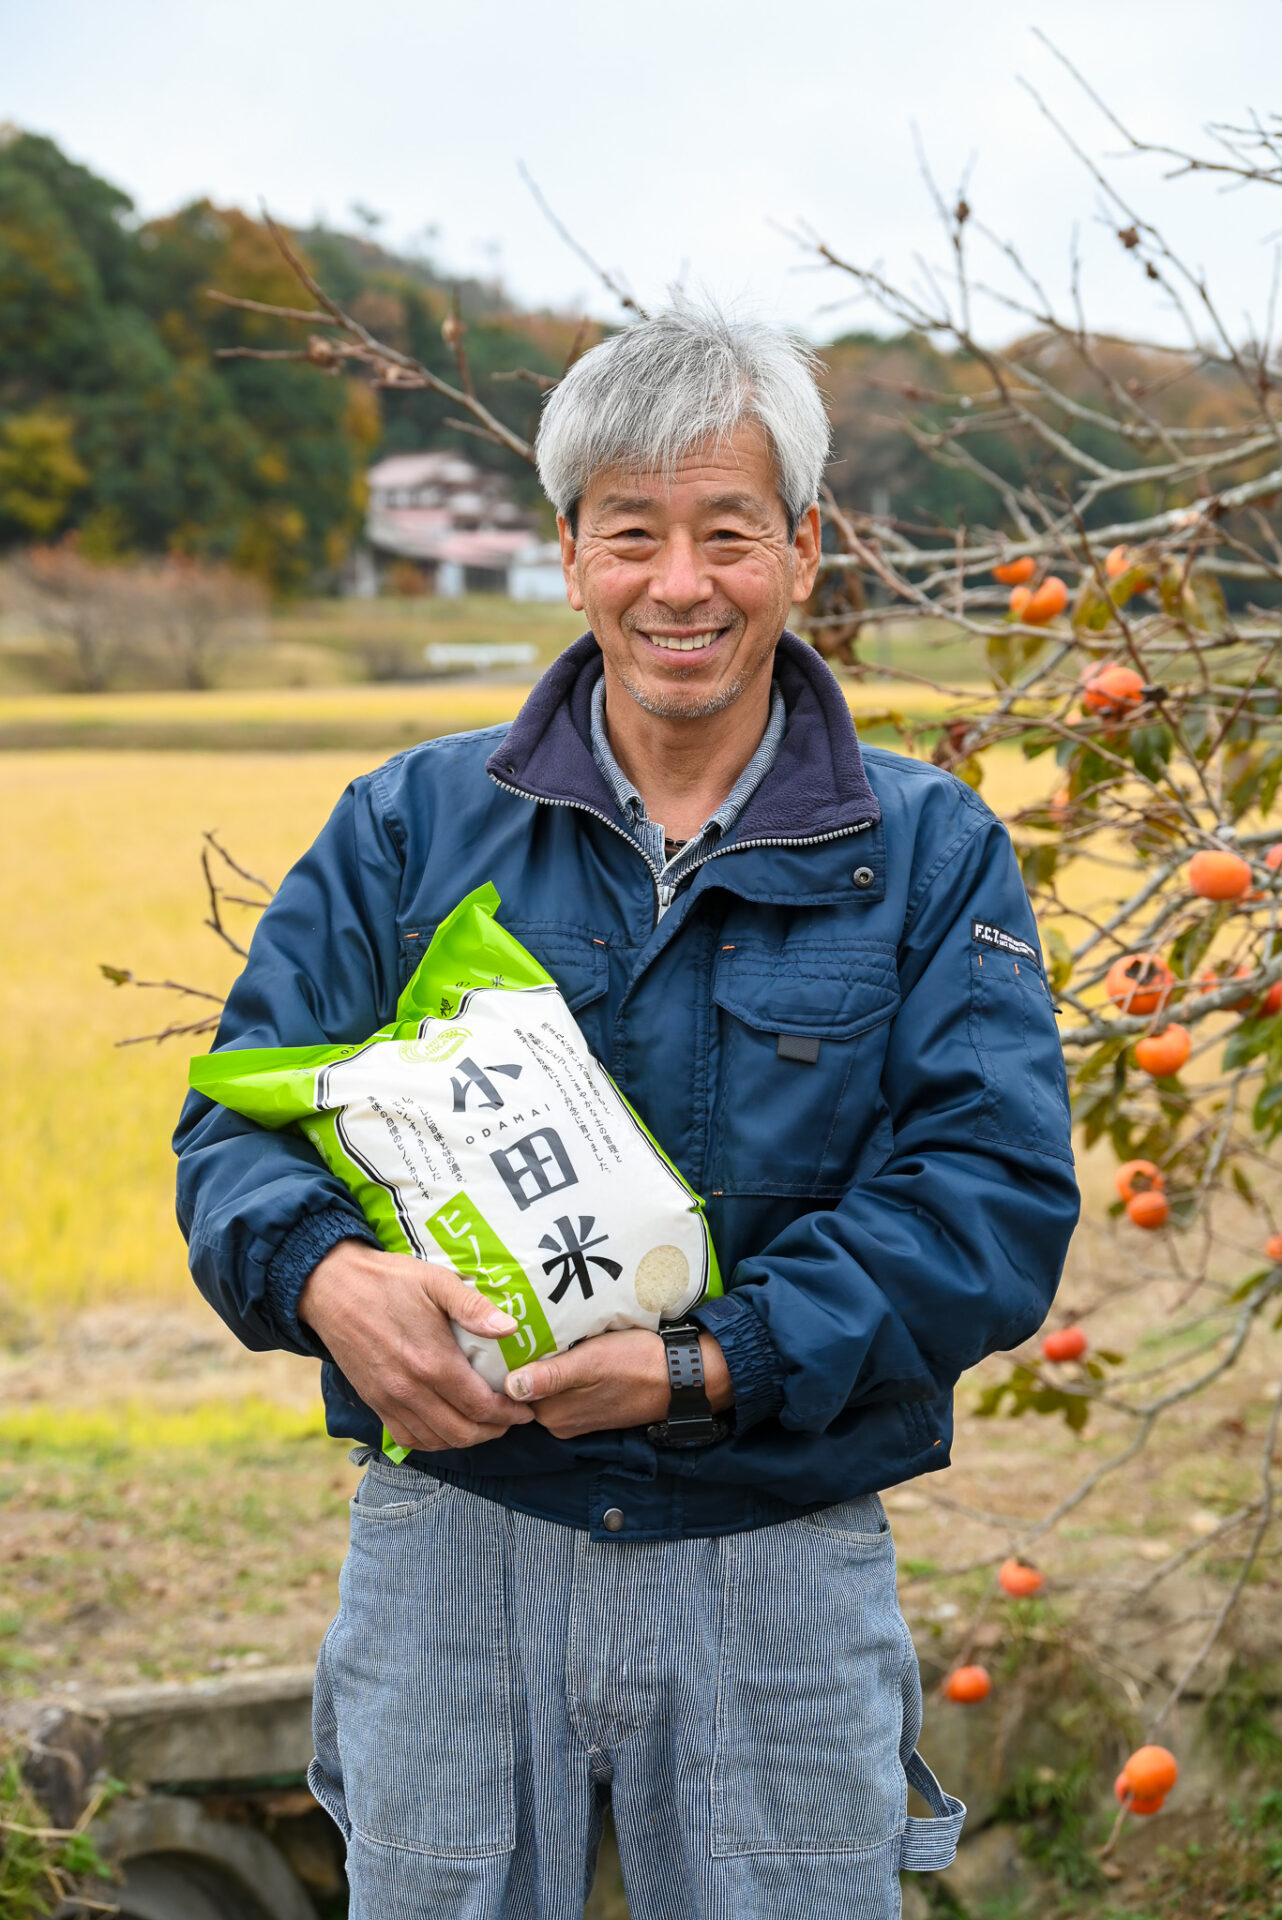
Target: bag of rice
476,1130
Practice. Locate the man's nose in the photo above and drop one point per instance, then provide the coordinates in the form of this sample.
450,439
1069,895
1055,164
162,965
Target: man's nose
680,578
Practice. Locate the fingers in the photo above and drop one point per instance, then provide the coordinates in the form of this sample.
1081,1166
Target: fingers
415,1434
442,1377
542,1378
437,1443
464,1304
441,1427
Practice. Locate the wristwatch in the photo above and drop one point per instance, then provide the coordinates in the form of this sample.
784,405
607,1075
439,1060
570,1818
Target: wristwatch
691,1421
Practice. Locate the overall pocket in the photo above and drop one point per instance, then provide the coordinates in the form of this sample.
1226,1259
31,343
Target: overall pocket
418,1669
801,1040
810,1697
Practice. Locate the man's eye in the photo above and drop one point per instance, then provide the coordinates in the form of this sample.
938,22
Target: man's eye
724,534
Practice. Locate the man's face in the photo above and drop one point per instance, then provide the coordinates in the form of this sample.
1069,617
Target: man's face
687,582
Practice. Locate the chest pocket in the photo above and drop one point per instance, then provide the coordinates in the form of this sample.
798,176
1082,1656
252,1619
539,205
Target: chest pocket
577,961
801,1040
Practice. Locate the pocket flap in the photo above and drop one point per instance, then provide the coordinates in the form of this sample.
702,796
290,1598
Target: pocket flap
835,991
575,959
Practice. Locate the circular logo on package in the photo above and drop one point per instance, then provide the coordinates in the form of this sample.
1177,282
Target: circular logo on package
437,1046
663,1279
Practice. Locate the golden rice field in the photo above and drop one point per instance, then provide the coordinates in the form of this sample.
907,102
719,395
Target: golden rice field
101,864
380,718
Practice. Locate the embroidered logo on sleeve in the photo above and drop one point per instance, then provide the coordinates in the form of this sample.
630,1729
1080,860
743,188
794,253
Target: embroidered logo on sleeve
990,936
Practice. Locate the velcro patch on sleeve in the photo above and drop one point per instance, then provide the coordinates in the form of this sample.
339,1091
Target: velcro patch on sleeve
990,936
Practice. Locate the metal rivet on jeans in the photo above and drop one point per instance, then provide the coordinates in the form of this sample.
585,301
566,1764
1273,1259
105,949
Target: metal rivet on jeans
612,1519
863,876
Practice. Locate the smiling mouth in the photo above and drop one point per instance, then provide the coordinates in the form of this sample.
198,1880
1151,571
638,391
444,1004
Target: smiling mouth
685,642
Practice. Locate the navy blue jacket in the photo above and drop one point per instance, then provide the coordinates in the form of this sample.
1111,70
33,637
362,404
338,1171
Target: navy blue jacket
885,1213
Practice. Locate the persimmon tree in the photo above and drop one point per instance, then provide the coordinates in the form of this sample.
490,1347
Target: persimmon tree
1136,655
1123,602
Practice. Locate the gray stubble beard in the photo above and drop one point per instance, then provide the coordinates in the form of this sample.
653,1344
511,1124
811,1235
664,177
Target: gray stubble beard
675,708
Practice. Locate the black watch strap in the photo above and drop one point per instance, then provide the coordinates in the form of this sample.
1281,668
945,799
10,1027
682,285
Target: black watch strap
691,1421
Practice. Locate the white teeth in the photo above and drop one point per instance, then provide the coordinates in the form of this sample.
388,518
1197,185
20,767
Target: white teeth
694,645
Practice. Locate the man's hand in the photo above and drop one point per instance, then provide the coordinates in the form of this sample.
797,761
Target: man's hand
385,1318
611,1380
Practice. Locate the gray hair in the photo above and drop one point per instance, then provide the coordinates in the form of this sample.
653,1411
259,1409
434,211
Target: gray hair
646,396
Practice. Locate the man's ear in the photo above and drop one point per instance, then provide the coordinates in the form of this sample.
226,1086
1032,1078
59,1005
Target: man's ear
806,548
569,570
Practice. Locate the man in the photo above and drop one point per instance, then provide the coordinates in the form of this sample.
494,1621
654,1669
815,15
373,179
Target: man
815,974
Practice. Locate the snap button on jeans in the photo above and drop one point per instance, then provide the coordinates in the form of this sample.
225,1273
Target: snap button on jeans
612,1519
863,876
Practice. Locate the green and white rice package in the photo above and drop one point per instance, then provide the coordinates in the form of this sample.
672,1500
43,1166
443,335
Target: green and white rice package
477,1130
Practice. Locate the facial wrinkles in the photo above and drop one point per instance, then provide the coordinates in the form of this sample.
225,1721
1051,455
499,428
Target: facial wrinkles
695,651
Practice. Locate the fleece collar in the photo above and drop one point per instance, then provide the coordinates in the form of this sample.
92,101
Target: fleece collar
817,785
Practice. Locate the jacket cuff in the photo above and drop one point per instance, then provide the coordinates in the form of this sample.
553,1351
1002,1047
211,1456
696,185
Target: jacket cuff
296,1259
751,1355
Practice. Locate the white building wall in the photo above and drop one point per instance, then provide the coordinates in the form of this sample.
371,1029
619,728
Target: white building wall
536,575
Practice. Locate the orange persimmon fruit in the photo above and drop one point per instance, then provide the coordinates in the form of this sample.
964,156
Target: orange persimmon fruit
1211,980
967,1685
1116,561
1151,1209
1151,1772
1043,605
1273,1249
1219,875
1153,1804
1066,1343
1164,1053
1019,599
1138,1176
1138,982
1112,691
1013,573
1018,1579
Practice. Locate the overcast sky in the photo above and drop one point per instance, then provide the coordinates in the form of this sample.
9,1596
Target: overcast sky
674,136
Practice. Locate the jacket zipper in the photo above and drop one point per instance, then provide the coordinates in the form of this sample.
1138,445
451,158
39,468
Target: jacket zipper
811,840
582,807
740,846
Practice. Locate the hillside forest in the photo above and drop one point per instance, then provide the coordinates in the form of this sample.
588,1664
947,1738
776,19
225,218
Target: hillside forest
122,429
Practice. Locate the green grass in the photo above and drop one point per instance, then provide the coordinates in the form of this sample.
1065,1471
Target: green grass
107,1433
39,1867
